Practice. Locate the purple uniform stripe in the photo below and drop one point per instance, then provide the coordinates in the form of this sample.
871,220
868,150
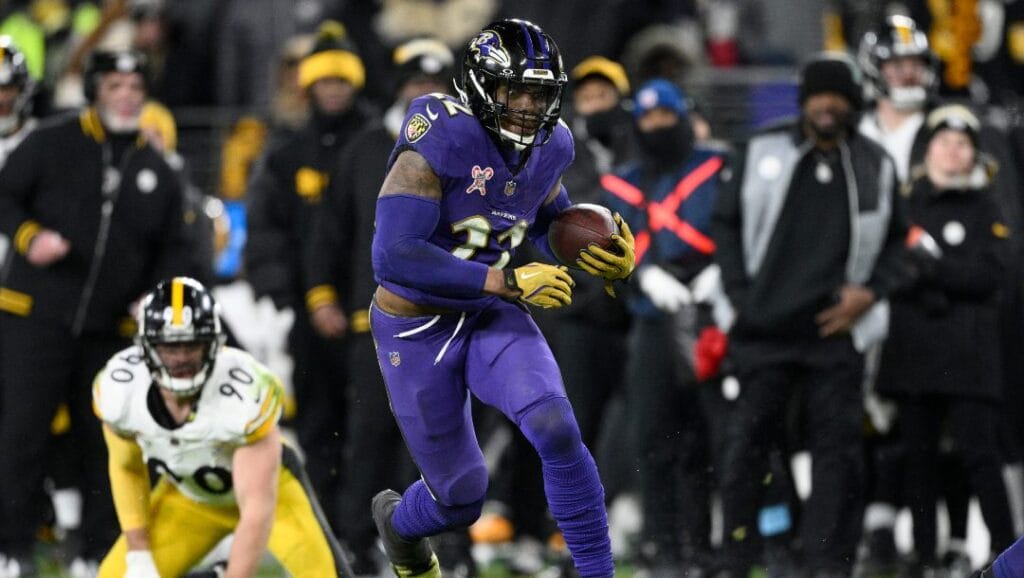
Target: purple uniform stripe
529,45
545,50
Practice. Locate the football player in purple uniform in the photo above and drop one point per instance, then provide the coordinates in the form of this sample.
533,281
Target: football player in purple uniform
469,180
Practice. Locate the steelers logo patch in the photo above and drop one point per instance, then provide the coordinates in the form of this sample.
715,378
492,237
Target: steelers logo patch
146,181
954,233
417,126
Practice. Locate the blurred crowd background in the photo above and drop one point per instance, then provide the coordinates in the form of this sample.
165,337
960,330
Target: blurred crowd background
228,88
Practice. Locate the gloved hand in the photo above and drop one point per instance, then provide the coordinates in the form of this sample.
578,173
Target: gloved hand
541,284
923,254
706,283
140,564
709,351
666,292
607,265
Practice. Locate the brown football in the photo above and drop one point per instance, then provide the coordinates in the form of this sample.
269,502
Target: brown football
579,226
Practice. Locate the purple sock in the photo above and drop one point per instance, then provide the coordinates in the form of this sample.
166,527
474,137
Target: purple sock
420,516
1010,564
573,488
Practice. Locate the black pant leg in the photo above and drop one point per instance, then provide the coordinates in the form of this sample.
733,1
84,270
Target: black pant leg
955,486
591,376
974,426
753,425
374,452
832,519
99,519
921,422
38,366
670,436
318,379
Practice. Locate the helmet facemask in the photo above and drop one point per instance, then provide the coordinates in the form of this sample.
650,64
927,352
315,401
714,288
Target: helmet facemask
499,116
192,317
10,123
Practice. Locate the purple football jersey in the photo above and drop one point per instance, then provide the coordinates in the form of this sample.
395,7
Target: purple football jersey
486,210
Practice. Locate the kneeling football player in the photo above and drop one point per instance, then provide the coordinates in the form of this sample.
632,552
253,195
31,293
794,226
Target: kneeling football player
204,417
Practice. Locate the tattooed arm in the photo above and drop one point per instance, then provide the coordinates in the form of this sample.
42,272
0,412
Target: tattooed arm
408,211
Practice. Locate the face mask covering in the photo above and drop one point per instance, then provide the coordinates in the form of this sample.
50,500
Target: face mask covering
602,125
667,145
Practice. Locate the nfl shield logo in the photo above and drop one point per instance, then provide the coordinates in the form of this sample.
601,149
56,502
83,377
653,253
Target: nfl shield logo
396,359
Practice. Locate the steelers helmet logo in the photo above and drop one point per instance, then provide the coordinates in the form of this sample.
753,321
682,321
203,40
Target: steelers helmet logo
185,321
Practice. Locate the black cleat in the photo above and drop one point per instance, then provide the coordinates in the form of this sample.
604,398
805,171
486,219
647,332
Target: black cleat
408,559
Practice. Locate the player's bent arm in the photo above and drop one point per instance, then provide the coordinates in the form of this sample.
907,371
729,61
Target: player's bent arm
408,211
129,484
556,202
255,473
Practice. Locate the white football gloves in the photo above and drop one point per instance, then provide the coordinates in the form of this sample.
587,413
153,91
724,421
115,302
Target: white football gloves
665,291
140,564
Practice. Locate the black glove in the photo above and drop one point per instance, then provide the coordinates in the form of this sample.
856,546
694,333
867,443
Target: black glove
923,265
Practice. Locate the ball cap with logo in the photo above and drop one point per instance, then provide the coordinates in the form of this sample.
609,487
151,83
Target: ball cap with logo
659,93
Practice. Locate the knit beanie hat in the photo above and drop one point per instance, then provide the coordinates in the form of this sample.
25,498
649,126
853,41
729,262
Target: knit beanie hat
953,117
333,56
831,72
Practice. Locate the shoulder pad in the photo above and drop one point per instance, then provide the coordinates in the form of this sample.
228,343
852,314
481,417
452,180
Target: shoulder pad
124,376
249,396
434,125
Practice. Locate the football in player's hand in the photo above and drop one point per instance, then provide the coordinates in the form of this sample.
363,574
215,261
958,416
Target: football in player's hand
579,226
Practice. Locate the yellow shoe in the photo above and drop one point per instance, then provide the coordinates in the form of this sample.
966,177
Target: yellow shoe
433,572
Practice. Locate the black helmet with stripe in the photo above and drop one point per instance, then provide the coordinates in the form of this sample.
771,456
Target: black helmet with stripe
898,37
506,57
14,73
180,310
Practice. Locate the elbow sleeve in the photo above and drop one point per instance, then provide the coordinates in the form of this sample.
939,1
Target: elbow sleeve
403,254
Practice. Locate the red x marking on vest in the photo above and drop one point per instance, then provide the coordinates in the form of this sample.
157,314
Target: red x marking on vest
662,215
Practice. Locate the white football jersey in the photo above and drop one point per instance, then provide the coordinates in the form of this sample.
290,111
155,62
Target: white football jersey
240,403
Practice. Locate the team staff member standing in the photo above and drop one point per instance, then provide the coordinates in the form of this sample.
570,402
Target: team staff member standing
16,88
284,196
941,360
339,275
667,195
808,241
95,215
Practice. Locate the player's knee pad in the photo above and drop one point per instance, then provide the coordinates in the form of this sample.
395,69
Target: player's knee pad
551,427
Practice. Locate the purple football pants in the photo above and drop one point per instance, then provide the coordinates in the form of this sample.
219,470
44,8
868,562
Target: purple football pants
430,365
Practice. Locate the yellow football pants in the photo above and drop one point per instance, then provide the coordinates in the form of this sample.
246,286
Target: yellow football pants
182,532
